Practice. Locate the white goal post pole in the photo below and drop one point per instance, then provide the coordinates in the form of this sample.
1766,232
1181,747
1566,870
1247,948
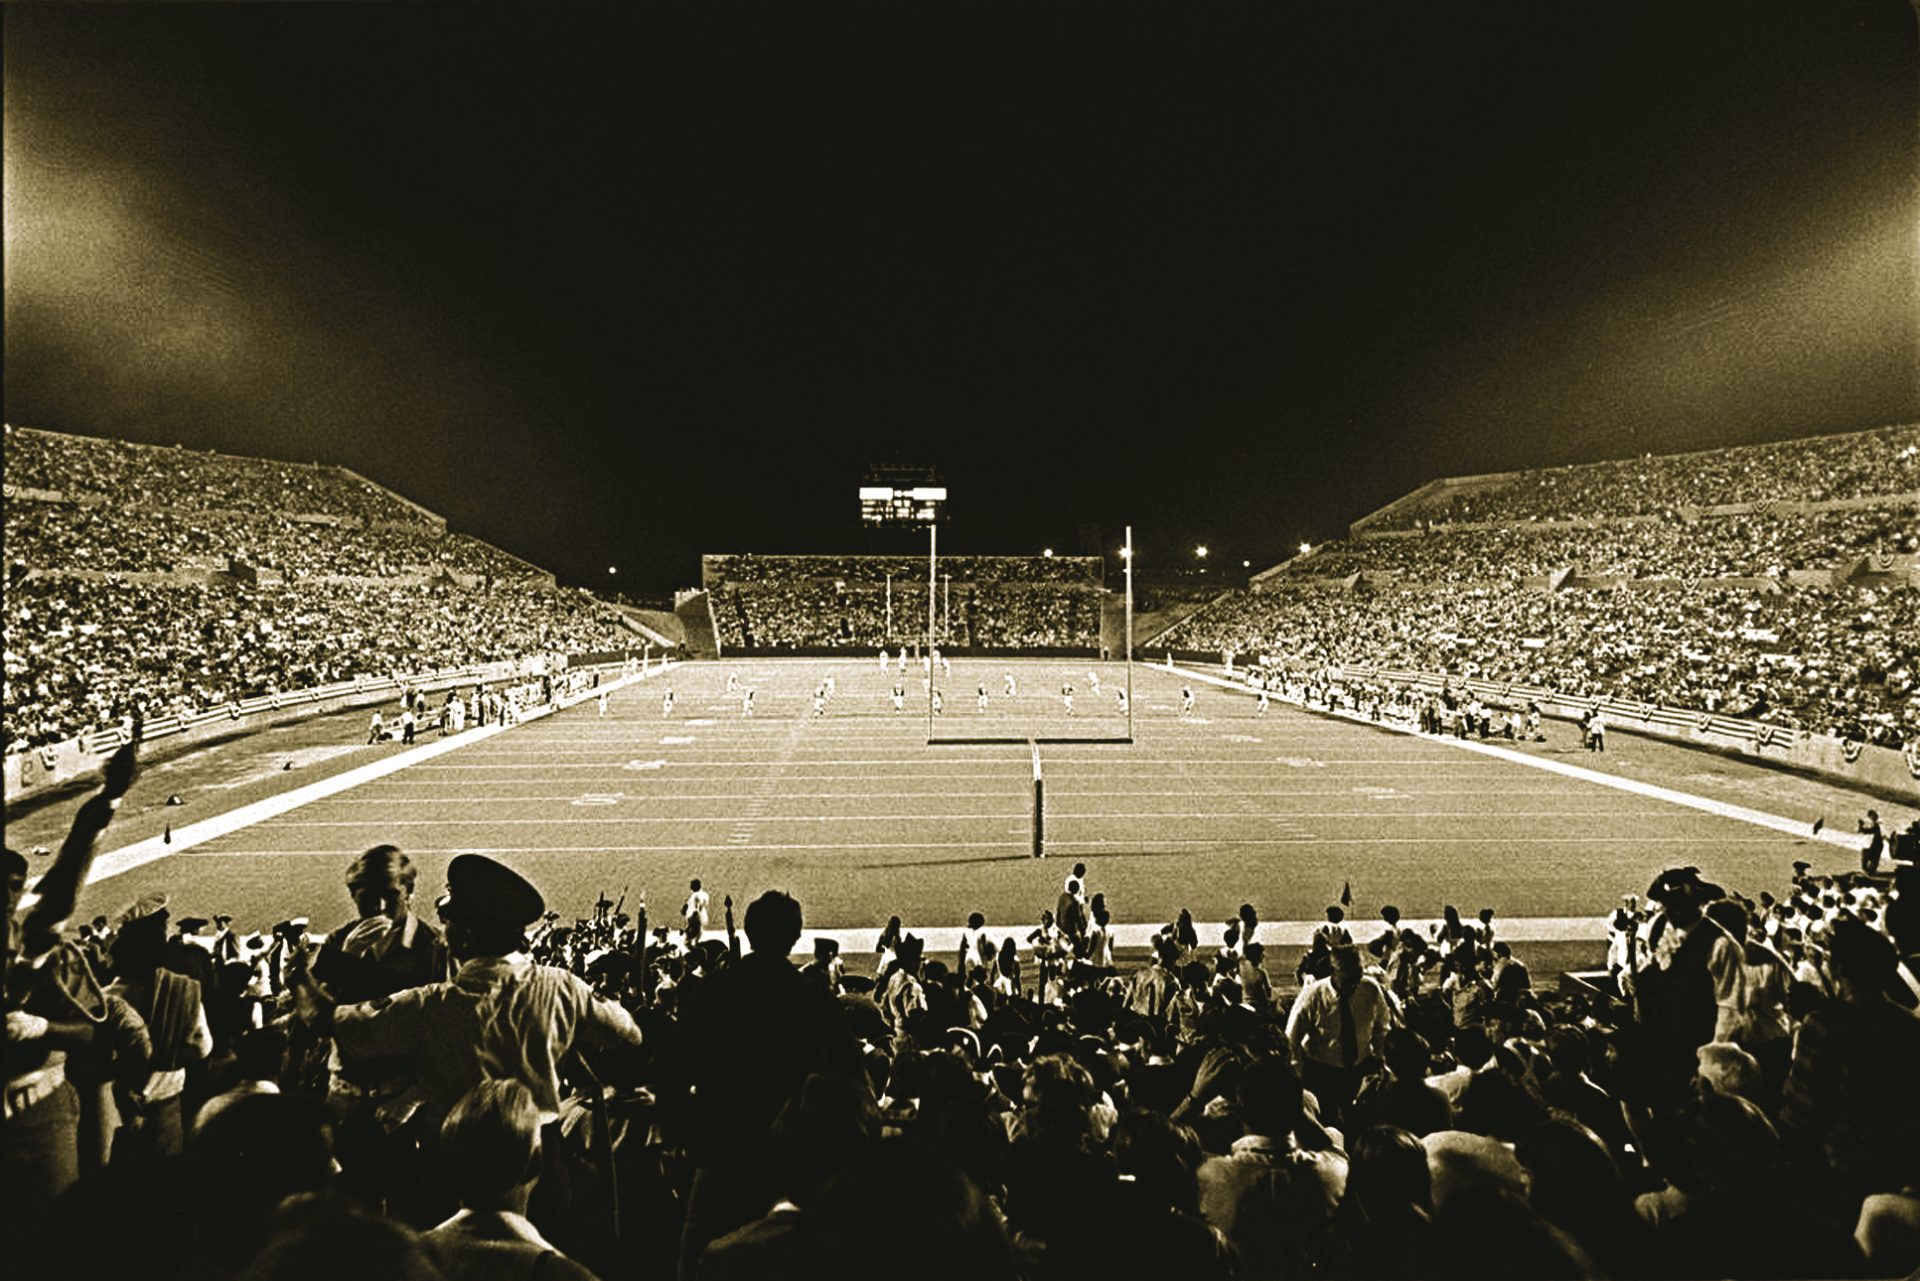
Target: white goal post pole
933,555
1039,804
1127,555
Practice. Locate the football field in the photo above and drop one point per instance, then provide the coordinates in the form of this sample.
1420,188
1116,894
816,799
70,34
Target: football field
857,815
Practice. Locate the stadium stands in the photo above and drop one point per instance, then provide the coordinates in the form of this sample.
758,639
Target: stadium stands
144,582
1731,1098
1002,603
1815,469
1806,619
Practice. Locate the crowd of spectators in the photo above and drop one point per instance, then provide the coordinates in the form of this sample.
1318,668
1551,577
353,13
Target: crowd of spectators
86,468
82,654
107,537
229,594
812,614
617,1097
1758,545
1842,661
903,570
1816,469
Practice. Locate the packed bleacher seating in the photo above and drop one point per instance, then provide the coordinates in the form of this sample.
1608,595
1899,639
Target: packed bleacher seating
1732,1098
903,570
1767,546
828,602
1801,619
119,540
1844,661
86,468
1816,469
143,581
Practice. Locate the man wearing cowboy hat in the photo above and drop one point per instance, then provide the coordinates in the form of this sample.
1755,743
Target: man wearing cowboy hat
1674,993
501,1016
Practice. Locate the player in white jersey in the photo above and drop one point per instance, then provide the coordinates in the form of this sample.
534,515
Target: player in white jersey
946,665
746,702
1012,688
602,701
1066,696
903,659
819,700
1186,700
938,703
883,658
1122,694
1093,682
666,703
1265,702
828,682
983,695
733,683
899,696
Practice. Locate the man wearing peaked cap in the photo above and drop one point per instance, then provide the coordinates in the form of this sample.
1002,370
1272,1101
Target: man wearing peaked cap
482,891
501,1015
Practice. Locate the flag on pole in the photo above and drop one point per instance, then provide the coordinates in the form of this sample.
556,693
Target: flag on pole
1346,894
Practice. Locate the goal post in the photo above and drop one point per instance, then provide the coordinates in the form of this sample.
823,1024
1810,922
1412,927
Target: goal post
1039,804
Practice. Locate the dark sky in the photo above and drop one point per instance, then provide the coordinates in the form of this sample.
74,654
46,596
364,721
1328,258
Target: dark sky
622,285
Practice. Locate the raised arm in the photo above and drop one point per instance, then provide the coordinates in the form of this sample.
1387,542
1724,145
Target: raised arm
59,889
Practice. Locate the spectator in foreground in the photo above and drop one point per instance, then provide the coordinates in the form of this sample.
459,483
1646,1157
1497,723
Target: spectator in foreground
1380,1227
1851,1108
319,1239
53,1005
490,1149
748,1037
386,948
1336,1029
1270,1196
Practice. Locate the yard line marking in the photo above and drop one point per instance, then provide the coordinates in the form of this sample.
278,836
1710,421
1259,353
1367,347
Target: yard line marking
1740,813
414,803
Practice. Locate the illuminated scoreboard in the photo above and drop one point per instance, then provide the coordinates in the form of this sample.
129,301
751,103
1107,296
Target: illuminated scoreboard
900,500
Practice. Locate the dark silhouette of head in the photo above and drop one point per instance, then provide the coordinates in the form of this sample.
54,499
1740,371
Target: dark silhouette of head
773,923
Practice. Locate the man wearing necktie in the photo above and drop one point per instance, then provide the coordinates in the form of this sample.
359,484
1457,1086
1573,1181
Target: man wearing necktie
1336,1030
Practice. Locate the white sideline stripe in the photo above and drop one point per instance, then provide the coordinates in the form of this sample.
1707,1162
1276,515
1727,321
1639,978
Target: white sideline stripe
1740,813
126,858
154,848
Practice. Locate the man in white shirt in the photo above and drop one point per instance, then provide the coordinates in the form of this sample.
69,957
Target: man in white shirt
1336,1030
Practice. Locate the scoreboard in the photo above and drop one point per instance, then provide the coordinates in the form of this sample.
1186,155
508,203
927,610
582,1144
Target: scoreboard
896,500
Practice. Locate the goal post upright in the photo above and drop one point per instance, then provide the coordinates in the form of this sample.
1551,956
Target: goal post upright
1126,555
1039,803
933,553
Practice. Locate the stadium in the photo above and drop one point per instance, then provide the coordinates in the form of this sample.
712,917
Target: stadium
435,850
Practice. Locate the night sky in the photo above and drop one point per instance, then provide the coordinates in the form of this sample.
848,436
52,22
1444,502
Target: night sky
624,285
